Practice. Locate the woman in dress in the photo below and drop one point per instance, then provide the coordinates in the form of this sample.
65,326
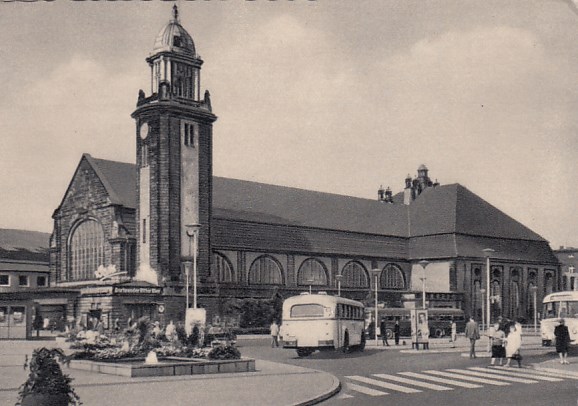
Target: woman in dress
513,344
562,341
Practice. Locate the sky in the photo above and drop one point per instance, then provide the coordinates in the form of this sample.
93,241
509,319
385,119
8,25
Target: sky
336,96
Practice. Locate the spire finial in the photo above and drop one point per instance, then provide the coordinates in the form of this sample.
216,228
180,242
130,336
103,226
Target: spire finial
175,13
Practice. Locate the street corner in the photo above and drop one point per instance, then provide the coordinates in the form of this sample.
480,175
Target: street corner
554,366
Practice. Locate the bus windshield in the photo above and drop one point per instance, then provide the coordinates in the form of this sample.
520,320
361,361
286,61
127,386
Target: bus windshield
307,310
565,308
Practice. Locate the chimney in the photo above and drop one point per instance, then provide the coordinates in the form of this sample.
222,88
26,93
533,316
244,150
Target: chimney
381,194
388,195
408,191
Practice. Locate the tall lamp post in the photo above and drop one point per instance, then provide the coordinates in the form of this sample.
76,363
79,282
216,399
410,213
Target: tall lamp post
487,253
193,234
338,278
375,273
533,289
482,291
423,264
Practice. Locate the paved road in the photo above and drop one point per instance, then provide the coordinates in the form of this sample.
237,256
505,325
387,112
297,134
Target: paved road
378,377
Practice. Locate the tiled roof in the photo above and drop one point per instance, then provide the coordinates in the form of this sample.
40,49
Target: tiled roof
454,209
119,179
23,245
448,209
258,202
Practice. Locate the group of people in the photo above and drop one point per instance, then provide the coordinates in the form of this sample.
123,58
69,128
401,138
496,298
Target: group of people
505,340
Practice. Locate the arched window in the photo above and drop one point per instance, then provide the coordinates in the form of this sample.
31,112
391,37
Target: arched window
548,283
312,272
392,277
514,300
477,300
496,298
265,270
223,268
354,276
530,300
86,249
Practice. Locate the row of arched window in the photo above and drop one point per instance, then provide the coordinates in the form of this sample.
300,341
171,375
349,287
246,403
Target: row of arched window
266,270
515,292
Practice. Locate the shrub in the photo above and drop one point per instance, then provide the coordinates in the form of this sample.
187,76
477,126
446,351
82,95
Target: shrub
224,352
46,376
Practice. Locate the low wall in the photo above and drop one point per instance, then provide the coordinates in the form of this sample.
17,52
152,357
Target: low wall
169,366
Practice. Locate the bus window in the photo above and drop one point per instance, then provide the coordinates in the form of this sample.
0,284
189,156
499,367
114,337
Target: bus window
307,310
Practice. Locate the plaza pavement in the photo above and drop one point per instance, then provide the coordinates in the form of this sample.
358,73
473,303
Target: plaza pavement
272,384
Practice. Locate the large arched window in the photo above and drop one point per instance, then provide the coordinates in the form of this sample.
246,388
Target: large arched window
548,283
86,249
392,277
515,300
354,275
531,292
312,272
265,270
223,268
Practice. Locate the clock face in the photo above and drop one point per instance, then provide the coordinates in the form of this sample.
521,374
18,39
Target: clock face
144,130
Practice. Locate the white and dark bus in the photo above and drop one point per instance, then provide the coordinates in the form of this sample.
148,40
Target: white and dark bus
320,322
555,307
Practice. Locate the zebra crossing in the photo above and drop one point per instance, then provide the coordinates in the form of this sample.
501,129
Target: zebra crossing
447,380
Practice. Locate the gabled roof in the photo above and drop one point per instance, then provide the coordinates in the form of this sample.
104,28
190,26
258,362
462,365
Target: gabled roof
448,209
455,209
118,178
235,199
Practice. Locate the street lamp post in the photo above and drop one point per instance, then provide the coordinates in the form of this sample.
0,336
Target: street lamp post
487,253
423,264
533,289
482,291
376,273
338,278
193,234
310,281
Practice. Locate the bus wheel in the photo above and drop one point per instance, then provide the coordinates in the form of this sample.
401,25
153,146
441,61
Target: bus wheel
304,352
362,343
440,333
346,348
389,333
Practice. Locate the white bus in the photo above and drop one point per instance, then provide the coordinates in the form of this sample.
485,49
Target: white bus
556,306
319,321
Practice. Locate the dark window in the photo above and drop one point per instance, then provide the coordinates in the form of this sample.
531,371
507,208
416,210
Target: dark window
144,231
144,156
223,268
176,41
189,134
4,280
392,277
41,281
265,271
22,280
312,272
354,276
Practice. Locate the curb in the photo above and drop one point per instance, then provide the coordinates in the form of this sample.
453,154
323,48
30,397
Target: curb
335,388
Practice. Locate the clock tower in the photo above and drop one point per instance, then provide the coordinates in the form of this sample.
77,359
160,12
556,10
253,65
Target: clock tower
174,160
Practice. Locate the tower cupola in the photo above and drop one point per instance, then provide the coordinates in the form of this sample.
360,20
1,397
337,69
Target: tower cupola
175,65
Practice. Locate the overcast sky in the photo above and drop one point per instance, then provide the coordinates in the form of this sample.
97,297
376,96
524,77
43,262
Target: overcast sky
336,96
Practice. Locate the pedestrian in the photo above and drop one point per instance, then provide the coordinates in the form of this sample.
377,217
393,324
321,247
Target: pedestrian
383,332
454,335
513,344
496,337
396,332
473,333
562,341
274,334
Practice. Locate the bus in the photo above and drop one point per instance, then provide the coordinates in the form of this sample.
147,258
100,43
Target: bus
439,320
321,322
554,307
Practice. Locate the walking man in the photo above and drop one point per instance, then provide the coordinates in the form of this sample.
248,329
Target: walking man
396,332
383,332
473,333
274,334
